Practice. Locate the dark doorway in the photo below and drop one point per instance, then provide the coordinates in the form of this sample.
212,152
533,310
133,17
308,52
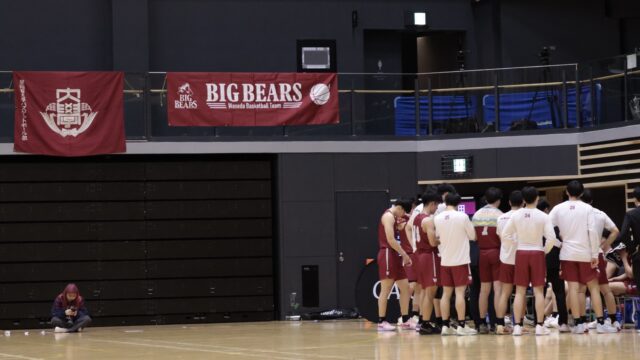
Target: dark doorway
439,51
357,217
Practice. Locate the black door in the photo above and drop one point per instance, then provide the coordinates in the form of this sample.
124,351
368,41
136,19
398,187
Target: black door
358,214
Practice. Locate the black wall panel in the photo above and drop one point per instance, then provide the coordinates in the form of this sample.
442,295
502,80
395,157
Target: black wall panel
148,239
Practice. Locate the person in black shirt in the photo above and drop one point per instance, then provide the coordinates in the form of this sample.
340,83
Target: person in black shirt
631,226
553,277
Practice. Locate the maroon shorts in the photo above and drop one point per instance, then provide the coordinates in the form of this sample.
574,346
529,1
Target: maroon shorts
578,271
631,287
390,265
428,269
507,273
602,271
489,265
531,267
410,270
454,276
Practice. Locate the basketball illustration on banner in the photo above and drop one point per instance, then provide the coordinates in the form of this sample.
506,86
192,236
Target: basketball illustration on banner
320,94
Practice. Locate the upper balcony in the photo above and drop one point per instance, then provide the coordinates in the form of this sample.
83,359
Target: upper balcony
389,106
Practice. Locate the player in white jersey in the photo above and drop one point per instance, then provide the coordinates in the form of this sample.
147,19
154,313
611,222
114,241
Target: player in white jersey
525,229
507,263
454,230
602,222
579,254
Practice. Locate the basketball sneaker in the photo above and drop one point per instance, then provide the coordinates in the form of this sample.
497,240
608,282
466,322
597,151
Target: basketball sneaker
507,321
446,331
551,321
564,328
578,329
60,330
617,325
483,329
542,330
414,321
426,328
517,330
466,331
385,326
406,326
592,325
605,329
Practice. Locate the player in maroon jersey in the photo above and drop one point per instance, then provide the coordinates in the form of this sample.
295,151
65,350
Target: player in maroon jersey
427,265
485,223
391,258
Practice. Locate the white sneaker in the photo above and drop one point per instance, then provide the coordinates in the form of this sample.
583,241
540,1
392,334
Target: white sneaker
617,325
564,328
528,322
59,330
414,321
446,331
517,330
470,331
507,321
541,330
578,329
605,329
466,331
385,326
592,325
551,321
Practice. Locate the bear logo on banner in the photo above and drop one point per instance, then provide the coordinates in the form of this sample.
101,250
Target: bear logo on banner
185,98
68,116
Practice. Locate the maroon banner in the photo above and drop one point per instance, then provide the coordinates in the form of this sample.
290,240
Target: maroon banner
69,113
252,99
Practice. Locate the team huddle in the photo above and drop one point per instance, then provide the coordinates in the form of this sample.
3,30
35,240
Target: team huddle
527,247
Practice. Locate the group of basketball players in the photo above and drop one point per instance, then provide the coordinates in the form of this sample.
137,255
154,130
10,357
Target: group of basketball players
426,251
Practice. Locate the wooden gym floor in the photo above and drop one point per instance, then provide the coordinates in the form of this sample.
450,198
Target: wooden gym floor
306,340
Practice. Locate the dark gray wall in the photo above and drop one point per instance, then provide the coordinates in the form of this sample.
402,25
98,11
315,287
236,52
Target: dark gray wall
255,35
261,35
307,187
55,35
579,29
506,162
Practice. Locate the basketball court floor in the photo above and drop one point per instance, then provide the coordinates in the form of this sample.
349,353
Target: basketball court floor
306,340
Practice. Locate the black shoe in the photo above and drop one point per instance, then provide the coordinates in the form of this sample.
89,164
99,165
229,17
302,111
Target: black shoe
426,329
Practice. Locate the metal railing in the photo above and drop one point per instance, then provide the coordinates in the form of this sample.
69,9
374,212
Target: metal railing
398,105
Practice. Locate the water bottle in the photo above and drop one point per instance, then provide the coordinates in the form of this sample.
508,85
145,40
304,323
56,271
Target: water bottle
293,308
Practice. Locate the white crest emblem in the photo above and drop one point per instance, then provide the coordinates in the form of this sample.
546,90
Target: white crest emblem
68,116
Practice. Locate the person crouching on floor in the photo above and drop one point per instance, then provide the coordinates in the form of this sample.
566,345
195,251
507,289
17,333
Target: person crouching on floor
68,312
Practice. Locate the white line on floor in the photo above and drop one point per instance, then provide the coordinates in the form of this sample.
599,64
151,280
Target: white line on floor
18,357
244,349
184,348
